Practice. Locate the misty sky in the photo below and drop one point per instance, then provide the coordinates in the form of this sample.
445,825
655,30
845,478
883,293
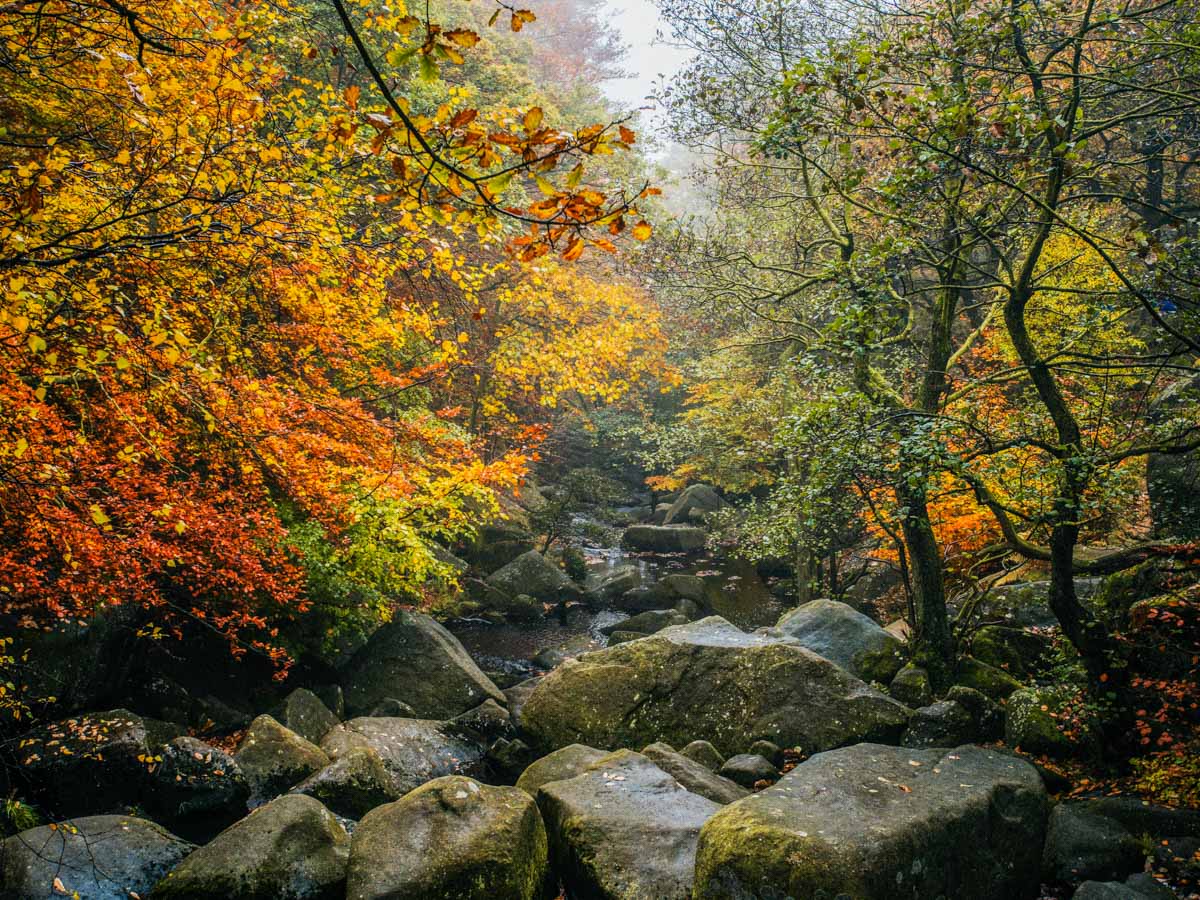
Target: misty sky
638,21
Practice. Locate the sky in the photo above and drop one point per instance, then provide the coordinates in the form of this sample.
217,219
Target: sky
639,22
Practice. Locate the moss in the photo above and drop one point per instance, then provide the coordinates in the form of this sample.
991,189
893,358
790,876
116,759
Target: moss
988,680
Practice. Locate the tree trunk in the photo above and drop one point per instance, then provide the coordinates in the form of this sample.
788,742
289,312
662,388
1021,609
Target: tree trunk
931,640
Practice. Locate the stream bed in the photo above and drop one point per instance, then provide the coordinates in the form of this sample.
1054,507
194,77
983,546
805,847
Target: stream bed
733,590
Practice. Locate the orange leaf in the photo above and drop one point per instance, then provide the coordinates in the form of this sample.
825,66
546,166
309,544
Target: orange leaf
574,250
351,95
626,135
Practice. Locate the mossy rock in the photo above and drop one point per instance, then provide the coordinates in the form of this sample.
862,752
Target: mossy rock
1013,650
707,680
451,839
1032,723
988,680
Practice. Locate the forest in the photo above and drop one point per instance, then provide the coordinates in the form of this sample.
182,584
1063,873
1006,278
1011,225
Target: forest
425,473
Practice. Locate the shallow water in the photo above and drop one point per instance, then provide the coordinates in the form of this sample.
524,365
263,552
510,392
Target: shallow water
733,590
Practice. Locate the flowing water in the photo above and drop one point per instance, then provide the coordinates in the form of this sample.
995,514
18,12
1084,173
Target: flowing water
733,590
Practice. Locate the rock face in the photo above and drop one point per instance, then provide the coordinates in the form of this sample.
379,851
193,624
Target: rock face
1030,723
624,830
352,785
533,574
693,502
694,776
94,763
649,622
707,680
941,724
292,849
197,790
413,751
451,839
845,636
417,661
304,713
560,765
97,857
664,538
881,822
274,758
748,769
1082,845
911,686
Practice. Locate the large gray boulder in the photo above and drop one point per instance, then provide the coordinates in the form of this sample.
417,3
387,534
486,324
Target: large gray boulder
417,661
451,839
664,538
533,574
845,636
693,502
696,777
710,681
617,582
649,622
624,829
274,758
882,823
413,751
292,848
96,763
96,857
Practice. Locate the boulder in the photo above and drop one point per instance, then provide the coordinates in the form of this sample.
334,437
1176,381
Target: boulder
617,582
516,697
390,707
1136,887
1083,845
986,714
748,769
352,785
772,753
497,545
707,680
681,587
564,763
882,822
534,575
704,753
624,829
486,722
988,680
845,636
304,713
1025,604
911,686
415,660
196,790
413,751
694,776
649,622
95,763
640,599
694,501
292,848
664,538
94,857
941,724
1031,721
1141,817
451,839
623,637
274,758
1014,650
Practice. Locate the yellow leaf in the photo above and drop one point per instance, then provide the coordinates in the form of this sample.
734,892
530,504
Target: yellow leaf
546,187
98,515
122,158
642,231
533,118
463,37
